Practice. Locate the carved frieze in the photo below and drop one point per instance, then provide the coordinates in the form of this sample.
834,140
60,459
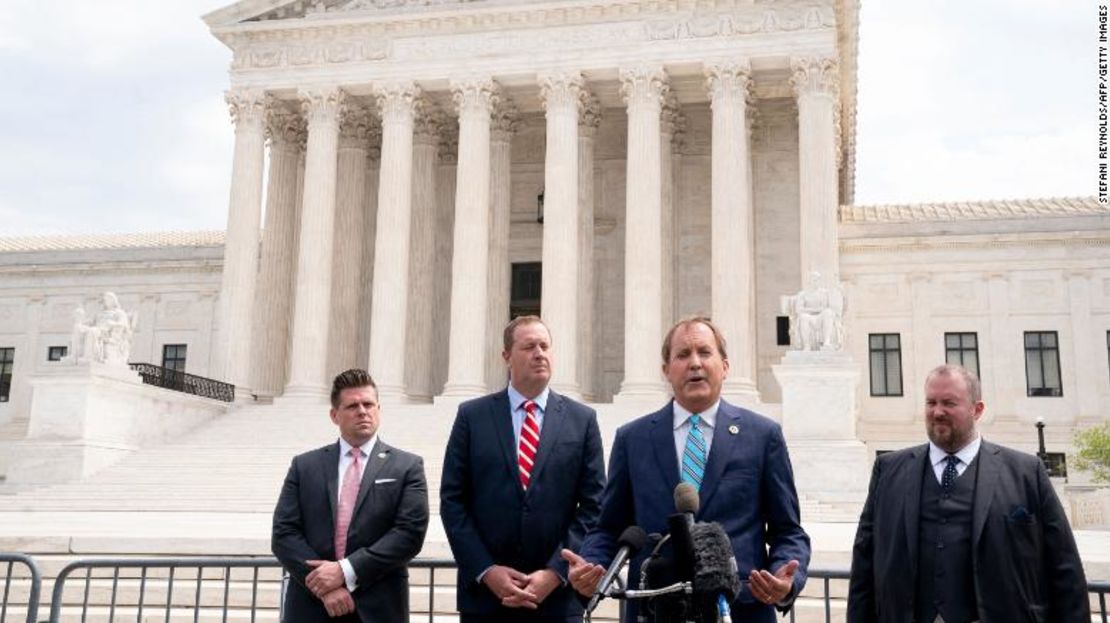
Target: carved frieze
414,37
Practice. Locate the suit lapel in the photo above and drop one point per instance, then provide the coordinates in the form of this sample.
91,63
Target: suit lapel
379,456
554,420
990,469
662,443
330,468
910,481
721,449
500,418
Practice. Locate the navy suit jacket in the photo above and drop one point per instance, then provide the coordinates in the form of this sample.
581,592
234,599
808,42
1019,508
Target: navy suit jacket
488,516
1023,556
387,529
748,488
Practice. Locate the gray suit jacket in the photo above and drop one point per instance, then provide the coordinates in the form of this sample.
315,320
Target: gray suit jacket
1024,559
386,532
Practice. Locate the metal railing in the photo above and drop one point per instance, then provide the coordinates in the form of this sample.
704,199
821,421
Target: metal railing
207,586
184,382
8,564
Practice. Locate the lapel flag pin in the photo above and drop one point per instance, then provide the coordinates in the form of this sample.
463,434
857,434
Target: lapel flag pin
734,429
381,455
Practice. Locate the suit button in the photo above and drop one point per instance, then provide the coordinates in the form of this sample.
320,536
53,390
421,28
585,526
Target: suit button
940,544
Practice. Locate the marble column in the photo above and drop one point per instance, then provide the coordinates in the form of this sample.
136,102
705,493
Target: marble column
346,265
1088,344
445,247
423,299
308,356
500,270
244,216
643,90
587,281
816,86
274,294
369,224
732,225
398,105
561,94
670,117
466,360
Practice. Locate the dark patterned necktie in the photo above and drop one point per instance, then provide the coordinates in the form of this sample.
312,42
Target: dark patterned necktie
949,475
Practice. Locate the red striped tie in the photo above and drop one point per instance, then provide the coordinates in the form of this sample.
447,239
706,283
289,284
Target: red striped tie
529,443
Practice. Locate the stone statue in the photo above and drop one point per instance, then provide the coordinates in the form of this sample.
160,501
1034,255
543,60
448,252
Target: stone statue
816,316
105,339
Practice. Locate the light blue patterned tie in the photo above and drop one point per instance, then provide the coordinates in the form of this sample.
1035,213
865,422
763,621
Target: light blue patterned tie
693,456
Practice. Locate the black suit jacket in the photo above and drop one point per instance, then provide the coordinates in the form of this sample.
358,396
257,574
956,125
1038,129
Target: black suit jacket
748,489
1024,560
488,516
387,529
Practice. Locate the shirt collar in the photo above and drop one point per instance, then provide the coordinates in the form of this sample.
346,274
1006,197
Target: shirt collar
965,454
708,417
345,447
516,398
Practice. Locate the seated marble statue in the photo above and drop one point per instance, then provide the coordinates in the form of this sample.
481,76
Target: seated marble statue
816,316
107,338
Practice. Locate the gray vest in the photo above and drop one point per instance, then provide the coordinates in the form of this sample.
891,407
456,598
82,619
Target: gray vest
945,584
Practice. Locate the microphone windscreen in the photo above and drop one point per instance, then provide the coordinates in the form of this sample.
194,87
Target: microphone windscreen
686,499
714,562
635,538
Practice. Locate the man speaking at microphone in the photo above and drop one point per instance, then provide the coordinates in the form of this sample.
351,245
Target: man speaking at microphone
736,459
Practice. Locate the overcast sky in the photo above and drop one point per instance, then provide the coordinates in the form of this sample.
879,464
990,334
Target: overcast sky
112,116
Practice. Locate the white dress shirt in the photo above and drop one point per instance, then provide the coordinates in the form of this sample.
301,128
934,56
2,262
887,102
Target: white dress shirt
966,455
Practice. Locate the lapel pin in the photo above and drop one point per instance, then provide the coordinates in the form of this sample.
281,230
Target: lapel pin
382,455
734,429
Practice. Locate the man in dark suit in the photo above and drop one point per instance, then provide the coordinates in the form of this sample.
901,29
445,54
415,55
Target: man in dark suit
737,460
510,504
961,529
350,517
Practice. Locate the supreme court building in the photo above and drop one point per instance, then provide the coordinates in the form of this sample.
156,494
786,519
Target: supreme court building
408,174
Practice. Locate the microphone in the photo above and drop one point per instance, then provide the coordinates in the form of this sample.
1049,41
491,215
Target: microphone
716,575
631,541
686,504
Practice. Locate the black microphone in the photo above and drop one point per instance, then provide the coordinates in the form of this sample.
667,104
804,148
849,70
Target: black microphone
686,504
716,576
631,541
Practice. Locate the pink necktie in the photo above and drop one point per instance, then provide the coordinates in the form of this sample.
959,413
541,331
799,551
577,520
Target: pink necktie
529,443
347,496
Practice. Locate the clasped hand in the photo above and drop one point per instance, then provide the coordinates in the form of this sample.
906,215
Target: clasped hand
327,583
520,590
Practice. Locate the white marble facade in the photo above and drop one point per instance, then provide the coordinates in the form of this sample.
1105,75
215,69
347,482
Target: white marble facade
698,155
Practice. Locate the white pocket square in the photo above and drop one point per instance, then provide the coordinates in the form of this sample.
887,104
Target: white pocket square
382,481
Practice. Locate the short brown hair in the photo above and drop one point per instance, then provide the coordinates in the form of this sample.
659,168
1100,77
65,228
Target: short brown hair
510,329
971,380
692,320
355,377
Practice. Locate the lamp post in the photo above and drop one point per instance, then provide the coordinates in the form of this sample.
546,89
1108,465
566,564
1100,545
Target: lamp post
1040,440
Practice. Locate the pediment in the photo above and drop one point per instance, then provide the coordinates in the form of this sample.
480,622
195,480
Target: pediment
247,11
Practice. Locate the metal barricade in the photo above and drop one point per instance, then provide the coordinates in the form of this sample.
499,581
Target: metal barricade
8,564
1099,589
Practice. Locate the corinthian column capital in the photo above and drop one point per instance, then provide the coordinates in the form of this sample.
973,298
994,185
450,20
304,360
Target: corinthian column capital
284,127
505,122
644,85
591,115
324,105
398,101
355,127
815,76
475,95
728,81
562,89
428,124
247,107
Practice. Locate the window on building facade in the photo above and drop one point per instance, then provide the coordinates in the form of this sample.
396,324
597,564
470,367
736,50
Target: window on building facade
173,356
962,349
56,353
886,364
1042,364
7,360
525,294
